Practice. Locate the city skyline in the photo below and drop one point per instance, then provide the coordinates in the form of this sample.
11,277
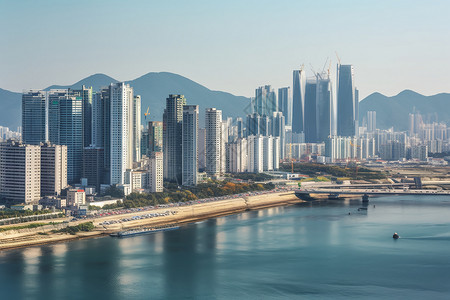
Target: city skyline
398,44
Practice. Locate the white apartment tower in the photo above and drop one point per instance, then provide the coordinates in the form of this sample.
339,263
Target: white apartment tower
155,172
53,169
121,132
213,146
136,128
20,172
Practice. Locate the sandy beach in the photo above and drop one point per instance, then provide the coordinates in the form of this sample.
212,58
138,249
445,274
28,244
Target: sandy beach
175,215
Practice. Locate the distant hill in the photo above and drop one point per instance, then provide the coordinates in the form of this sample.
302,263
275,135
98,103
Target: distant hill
10,109
394,111
154,88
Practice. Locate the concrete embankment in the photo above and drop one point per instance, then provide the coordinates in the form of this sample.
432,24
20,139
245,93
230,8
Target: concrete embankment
176,215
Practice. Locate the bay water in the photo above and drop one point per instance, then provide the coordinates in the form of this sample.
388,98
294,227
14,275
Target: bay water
315,250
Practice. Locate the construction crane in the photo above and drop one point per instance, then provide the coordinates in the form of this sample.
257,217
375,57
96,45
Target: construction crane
338,58
147,113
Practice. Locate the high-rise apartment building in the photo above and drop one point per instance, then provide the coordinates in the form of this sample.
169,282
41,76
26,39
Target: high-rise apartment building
278,130
172,137
190,144
213,123
155,137
155,172
34,117
201,149
121,134
137,128
285,104
298,101
265,101
93,166
371,121
53,169
20,172
347,105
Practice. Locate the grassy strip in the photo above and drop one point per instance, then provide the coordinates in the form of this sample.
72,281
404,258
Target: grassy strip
88,226
34,225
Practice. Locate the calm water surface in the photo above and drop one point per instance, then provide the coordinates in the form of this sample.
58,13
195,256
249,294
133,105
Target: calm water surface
310,251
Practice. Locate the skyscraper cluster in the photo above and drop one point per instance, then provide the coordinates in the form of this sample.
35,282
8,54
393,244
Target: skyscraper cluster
101,127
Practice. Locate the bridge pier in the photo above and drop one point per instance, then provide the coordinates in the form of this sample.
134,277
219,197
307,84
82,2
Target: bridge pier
365,198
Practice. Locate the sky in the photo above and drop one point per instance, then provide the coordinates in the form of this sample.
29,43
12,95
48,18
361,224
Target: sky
232,46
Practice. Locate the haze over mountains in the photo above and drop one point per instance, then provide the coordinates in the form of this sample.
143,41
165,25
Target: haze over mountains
155,87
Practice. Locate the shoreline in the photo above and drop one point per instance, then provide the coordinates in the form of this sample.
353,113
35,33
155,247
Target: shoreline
184,215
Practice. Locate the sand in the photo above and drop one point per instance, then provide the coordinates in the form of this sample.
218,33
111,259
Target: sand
177,215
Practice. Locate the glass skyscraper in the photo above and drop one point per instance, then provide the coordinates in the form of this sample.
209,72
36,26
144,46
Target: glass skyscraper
347,107
310,128
285,104
324,109
298,101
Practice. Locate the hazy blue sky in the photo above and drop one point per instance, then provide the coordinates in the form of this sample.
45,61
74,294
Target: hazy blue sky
233,46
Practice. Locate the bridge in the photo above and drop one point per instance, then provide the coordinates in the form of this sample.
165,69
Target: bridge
336,192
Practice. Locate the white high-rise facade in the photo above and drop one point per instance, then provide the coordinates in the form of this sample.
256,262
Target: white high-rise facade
137,128
121,154
155,172
213,123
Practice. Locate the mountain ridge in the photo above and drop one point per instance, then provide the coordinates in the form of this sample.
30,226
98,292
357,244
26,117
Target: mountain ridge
154,88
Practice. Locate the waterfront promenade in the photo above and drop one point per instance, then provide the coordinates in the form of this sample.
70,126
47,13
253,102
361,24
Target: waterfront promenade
186,213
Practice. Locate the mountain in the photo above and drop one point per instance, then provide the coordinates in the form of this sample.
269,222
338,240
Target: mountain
394,111
10,109
96,81
154,88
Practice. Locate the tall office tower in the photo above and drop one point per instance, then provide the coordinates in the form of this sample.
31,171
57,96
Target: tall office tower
255,153
201,149
70,133
172,136
121,131
310,127
346,103
53,169
34,119
20,169
155,136
278,130
285,104
213,124
265,126
155,172
253,124
53,114
93,166
265,102
87,97
324,110
190,145
371,121
136,128
298,101
223,141
240,127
